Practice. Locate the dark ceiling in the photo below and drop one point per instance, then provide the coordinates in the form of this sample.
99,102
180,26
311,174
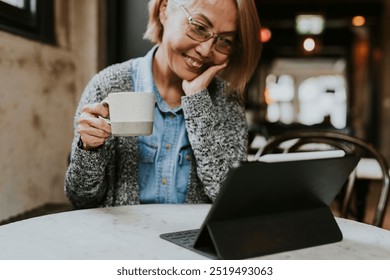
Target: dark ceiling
279,16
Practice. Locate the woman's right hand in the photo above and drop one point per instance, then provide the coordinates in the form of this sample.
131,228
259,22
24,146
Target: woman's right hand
203,80
93,130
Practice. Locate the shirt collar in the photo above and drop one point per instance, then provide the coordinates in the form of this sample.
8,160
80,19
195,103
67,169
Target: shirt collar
144,82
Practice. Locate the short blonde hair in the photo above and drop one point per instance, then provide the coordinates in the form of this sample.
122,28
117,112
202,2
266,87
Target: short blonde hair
243,61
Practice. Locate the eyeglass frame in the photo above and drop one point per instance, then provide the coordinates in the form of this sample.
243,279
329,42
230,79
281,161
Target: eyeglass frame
212,34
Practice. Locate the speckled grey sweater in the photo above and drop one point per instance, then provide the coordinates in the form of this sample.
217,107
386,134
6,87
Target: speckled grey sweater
108,176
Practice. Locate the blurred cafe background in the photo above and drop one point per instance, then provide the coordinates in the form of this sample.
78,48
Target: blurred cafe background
325,64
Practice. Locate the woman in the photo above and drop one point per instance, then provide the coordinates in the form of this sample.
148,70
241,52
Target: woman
198,71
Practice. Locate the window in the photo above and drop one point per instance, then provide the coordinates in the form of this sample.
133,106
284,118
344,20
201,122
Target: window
319,100
305,92
279,95
33,19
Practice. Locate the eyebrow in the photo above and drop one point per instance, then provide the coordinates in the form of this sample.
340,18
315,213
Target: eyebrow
205,19
211,24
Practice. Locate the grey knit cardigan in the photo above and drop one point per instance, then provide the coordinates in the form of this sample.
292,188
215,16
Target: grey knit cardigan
108,176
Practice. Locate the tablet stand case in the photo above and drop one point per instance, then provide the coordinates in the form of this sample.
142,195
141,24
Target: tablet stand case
257,236
289,211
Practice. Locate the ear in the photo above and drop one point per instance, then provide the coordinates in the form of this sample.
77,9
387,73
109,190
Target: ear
163,10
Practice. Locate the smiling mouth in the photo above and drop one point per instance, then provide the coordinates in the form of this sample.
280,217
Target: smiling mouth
193,63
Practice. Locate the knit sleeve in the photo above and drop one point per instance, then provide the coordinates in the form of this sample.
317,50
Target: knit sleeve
217,131
85,180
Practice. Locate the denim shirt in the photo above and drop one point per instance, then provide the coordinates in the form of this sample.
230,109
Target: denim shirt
165,156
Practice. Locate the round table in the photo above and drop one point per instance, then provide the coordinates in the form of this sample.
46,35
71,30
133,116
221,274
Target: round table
132,232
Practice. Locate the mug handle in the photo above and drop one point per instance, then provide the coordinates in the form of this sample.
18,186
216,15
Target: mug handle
105,104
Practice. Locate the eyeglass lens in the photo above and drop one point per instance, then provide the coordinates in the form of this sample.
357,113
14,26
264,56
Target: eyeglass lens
223,44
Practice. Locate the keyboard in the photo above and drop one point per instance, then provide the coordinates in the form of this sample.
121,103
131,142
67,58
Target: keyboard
184,238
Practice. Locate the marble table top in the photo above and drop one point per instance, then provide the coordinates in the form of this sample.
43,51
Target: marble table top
132,232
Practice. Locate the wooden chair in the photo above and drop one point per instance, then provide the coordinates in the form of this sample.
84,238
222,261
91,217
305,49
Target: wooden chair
318,140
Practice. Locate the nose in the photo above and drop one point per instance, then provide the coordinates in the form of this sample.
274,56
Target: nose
205,49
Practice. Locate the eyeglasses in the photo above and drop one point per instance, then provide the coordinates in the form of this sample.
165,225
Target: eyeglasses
199,32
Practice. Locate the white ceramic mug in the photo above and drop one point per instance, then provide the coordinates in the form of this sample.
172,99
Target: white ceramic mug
131,113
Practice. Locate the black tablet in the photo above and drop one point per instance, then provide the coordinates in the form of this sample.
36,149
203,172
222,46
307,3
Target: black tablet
270,207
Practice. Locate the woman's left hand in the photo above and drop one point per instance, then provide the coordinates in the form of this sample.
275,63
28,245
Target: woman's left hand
202,81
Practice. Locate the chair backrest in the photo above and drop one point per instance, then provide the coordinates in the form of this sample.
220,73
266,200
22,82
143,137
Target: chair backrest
352,145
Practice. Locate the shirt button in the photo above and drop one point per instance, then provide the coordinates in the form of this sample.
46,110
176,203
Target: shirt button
171,116
188,157
168,146
164,181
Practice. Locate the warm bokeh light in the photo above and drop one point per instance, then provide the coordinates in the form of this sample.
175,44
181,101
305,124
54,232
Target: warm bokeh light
358,21
265,34
267,97
309,44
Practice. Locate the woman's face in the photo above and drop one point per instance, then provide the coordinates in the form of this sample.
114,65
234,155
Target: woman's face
186,57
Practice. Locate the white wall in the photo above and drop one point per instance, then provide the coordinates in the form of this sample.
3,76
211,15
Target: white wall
40,87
